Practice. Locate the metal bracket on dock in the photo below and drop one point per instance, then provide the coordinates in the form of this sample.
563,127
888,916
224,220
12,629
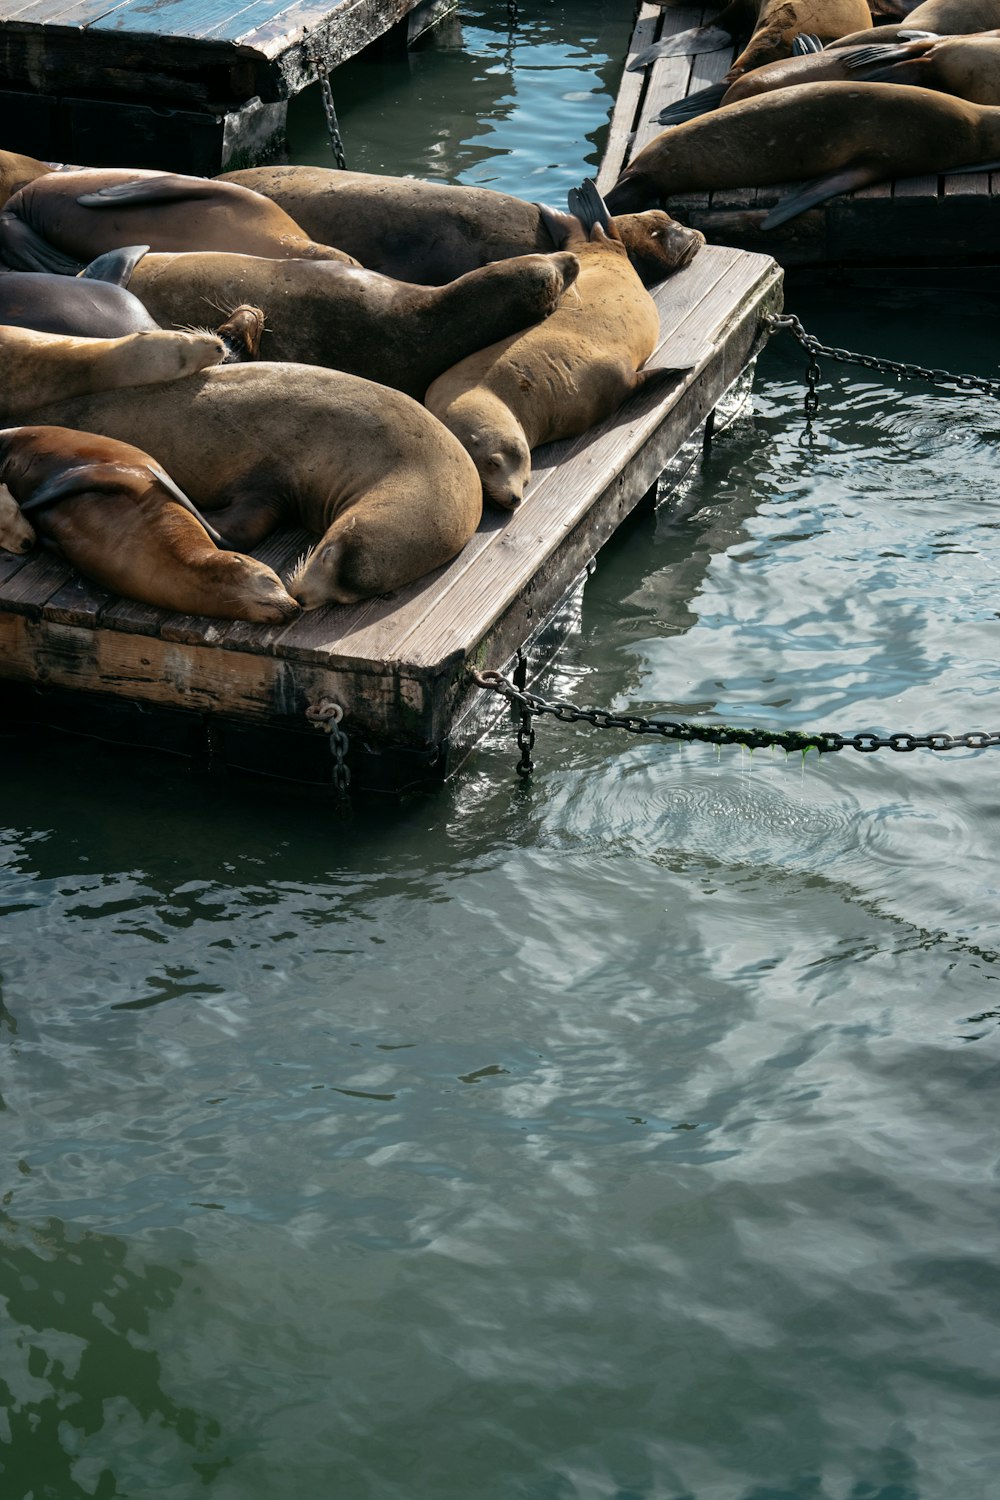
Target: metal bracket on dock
328,716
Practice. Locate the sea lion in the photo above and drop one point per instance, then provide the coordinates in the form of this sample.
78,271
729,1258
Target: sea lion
940,17
392,493
58,221
95,305
826,66
770,25
845,135
16,172
558,379
43,367
431,232
358,321
966,66
122,522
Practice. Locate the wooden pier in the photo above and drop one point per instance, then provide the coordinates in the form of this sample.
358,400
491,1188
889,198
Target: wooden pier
236,695
182,85
919,222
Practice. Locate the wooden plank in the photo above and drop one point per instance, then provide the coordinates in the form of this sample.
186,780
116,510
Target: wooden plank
78,602
923,187
280,551
626,109
173,18
966,185
27,590
670,78
10,563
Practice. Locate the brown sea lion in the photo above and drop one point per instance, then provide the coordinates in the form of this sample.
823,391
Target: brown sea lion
122,522
941,17
358,321
431,232
43,367
768,27
829,65
556,380
845,135
966,66
391,493
16,172
96,304
63,219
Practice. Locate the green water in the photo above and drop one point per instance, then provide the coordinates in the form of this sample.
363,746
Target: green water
631,1135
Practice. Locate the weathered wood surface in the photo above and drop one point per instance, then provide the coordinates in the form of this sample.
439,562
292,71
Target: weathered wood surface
212,51
398,665
918,221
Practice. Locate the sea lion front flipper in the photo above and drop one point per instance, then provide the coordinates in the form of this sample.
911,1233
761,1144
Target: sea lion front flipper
170,188
589,207
24,249
562,228
178,494
699,103
818,191
856,59
115,266
684,44
975,166
806,42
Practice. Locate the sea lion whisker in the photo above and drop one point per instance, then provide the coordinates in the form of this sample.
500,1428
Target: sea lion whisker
298,568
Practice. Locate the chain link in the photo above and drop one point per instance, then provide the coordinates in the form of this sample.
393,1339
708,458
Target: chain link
788,323
825,741
326,94
328,716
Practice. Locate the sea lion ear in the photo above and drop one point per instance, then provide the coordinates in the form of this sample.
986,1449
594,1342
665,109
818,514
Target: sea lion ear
115,266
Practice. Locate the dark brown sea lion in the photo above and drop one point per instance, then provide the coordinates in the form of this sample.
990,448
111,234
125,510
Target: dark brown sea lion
16,172
358,321
844,135
830,65
558,379
941,17
391,493
63,219
966,66
42,367
768,27
122,522
431,232
96,304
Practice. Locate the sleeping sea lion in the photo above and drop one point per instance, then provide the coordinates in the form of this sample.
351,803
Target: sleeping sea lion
831,65
63,219
43,367
844,135
16,172
431,232
122,522
558,379
940,17
771,26
966,66
358,321
96,304
389,490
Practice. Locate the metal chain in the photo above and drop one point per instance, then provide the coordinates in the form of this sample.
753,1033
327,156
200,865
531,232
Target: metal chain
525,732
825,741
788,323
326,94
327,716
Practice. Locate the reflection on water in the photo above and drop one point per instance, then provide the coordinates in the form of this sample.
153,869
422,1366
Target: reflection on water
627,1135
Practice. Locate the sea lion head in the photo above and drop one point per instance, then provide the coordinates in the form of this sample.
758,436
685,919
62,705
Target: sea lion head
16,533
657,245
254,590
241,333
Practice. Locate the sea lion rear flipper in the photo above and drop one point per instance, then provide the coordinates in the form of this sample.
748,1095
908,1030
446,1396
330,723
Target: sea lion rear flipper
806,42
648,380
23,249
875,54
699,103
589,207
115,266
170,188
684,44
830,186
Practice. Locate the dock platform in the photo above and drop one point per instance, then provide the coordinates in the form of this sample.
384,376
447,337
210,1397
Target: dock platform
236,695
181,85
919,222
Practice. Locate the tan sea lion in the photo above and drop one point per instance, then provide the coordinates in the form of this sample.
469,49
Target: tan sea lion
391,493
431,232
966,66
358,321
42,367
845,135
61,220
768,27
16,172
556,380
122,522
941,17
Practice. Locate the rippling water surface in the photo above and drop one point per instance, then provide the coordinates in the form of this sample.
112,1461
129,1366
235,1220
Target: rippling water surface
631,1135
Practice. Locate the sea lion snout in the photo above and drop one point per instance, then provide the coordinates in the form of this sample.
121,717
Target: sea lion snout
241,333
16,533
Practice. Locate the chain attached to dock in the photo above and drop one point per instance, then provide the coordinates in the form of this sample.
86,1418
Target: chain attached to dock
322,76
327,716
788,323
751,737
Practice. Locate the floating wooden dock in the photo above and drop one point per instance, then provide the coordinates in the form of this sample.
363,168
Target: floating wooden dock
236,695
918,222
182,85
